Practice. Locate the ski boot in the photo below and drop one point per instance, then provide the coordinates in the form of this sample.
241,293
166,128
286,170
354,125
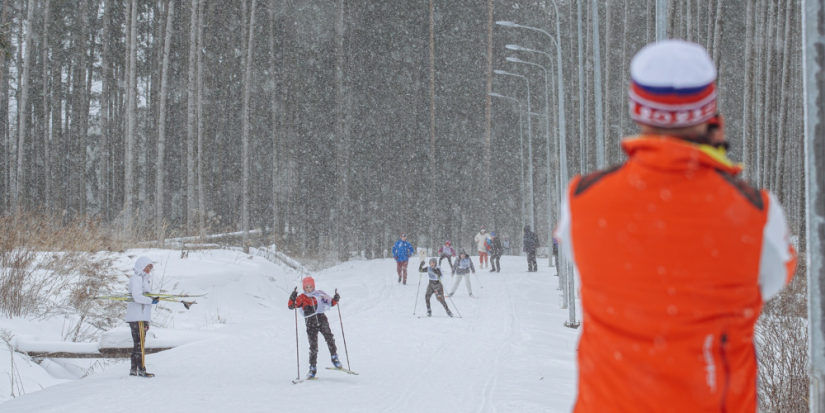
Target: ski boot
311,374
471,295
449,295
336,362
429,313
133,372
144,373
450,314
493,270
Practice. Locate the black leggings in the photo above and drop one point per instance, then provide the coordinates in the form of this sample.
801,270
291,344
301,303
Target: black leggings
435,287
531,261
319,324
495,262
137,354
449,260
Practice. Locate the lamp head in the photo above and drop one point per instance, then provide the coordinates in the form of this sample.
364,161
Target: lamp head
500,72
514,60
514,47
495,95
506,23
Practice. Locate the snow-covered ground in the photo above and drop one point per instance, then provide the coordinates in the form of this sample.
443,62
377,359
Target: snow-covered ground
509,352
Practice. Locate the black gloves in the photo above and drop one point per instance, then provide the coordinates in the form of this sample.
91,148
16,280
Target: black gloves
293,296
421,265
336,297
155,300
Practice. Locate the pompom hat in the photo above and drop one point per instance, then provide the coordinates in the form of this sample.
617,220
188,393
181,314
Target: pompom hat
672,85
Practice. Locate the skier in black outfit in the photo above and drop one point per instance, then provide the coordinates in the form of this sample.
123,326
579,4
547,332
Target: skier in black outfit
434,287
496,251
531,243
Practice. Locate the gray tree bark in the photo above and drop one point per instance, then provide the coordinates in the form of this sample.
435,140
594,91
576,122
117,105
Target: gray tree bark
191,208
22,116
247,80
161,155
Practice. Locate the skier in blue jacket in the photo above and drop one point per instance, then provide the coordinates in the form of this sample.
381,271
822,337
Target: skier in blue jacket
402,251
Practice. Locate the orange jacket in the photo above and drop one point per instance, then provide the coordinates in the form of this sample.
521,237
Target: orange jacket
675,256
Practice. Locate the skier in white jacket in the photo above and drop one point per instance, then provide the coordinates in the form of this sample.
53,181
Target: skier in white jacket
139,314
481,240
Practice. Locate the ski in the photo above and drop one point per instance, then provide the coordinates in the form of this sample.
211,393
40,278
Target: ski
127,297
168,298
296,381
343,370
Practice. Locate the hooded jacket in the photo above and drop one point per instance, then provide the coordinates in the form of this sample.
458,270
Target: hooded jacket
402,250
140,309
676,256
481,240
531,240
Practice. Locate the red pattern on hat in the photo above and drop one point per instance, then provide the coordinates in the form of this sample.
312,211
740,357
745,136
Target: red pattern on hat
672,110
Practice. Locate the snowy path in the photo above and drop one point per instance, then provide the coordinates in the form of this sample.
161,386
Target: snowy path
508,353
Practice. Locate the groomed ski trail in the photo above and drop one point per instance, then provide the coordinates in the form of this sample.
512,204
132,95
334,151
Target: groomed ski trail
509,352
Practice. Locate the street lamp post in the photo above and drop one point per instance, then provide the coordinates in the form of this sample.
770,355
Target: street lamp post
521,146
550,191
569,282
529,145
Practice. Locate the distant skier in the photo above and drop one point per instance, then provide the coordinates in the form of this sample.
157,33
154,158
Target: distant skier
496,251
402,251
446,251
506,244
139,314
481,240
313,303
434,287
531,244
463,266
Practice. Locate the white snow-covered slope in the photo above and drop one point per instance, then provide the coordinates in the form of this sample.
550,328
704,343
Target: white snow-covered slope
509,352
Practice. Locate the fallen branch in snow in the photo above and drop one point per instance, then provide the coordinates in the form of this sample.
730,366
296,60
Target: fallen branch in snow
65,350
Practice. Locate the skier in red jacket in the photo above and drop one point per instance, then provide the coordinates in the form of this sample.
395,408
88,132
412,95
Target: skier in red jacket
312,304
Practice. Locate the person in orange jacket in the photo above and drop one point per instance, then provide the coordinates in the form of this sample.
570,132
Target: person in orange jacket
675,253
313,303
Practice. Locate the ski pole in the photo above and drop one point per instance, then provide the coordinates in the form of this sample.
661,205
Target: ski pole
417,291
479,280
297,352
342,333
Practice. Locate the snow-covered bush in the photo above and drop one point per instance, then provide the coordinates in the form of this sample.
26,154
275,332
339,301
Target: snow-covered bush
782,346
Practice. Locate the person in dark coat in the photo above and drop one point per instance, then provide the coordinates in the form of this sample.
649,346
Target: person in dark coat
496,251
531,243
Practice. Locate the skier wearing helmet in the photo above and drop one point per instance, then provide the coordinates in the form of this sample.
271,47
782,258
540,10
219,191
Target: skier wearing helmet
448,252
313,303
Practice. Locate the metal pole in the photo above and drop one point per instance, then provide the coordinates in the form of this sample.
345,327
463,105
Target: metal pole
597,87
344,336
813,32
582,130
661,20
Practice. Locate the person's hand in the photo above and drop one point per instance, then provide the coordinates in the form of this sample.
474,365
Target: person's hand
336,297
294,295
155,300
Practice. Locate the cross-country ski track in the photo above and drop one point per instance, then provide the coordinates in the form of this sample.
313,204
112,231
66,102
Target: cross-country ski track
509,351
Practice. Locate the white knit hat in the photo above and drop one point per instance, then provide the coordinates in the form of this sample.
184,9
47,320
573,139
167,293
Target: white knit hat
672,85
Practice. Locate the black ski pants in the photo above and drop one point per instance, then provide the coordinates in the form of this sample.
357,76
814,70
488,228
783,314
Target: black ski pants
495,262
449,260
435,287
531,261
137,352
318,323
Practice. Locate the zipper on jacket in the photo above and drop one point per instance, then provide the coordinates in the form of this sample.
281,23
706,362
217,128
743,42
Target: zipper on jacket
725,369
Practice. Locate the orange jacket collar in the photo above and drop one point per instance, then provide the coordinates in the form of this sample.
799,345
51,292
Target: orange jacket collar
671,153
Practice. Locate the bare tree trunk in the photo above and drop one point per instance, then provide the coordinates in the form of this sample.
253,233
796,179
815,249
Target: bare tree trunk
190,121
46,113
582,131
488,105
342,141
432,112
747,103
717,35
783,103
247,80
770,40
201,193
597,87
105,136
91,147
277,229
164,79
22,116
4,120
131,118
